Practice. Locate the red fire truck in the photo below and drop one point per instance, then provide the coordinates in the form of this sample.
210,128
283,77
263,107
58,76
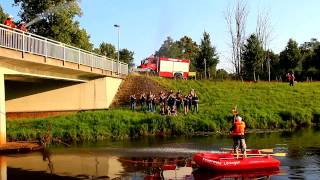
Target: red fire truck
166,67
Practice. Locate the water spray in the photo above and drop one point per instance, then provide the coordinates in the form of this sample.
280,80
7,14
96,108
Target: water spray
51,11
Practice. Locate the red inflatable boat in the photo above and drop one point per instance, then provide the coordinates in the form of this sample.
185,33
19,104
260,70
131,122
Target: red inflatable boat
228,162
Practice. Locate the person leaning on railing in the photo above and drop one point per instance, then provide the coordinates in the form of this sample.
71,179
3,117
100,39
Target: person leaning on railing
22,26
8,34
9,22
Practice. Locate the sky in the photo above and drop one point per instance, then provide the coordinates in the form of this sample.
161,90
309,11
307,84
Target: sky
145,24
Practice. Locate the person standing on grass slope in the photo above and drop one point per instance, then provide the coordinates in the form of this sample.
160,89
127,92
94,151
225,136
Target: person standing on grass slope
195,102
133,102
143,101
237,132
292,78
186,104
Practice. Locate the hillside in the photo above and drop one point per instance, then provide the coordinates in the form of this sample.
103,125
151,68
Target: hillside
262,105
135,84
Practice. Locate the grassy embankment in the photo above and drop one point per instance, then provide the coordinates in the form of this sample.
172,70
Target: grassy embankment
263,106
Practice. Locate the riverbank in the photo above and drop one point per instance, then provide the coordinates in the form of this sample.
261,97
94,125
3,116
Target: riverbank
263,106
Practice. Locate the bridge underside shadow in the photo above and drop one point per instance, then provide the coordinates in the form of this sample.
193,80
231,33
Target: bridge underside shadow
32,97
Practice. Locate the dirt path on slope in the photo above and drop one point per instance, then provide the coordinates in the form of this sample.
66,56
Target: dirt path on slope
135,84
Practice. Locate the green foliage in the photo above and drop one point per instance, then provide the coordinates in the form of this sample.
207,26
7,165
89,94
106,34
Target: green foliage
290,57
185,48
207,52
106,49
190,50
252,57
55,19
126,56
222,74
169,48
3,15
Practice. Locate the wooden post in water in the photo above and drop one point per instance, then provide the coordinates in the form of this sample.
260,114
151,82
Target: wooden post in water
2,111
3,168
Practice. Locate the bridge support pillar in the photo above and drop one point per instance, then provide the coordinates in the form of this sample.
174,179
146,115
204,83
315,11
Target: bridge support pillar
2,111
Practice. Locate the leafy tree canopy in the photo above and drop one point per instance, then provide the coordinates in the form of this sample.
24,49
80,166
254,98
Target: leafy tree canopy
169,48
207,53
126,56
189,50
106,49
252,57
55,19
290,57
3,15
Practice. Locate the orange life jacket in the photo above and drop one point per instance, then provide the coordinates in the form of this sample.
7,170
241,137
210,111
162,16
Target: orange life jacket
239,128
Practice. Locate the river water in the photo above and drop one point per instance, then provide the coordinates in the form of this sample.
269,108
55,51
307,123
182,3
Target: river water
163,158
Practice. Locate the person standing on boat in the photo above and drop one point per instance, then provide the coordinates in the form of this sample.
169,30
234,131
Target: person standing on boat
237,132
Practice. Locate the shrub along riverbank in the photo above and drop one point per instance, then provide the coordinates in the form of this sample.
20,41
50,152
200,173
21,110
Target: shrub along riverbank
263,105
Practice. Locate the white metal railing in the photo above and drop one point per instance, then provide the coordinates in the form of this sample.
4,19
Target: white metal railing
34,44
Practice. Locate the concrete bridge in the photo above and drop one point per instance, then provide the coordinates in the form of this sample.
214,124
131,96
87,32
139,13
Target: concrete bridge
43,76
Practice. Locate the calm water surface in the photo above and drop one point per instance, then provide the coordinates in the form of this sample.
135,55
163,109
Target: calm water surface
163,158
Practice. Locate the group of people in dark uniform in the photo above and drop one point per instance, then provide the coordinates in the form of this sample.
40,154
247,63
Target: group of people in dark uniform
169,104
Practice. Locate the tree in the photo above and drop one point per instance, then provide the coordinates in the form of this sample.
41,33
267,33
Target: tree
189,50
314,68
3,15
274,59
308,53
290,58
263,33
207,55
55,19
222,74
169,49
236,24
106,49
252,57
126,56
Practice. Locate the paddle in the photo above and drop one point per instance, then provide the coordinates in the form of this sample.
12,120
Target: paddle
274,154
261,150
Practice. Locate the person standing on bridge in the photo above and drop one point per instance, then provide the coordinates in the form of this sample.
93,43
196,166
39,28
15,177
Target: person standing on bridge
22,27
8,34
9,22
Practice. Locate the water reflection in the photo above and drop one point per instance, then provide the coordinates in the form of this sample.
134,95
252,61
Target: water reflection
46,156
50,165
209,175
165,159
3,168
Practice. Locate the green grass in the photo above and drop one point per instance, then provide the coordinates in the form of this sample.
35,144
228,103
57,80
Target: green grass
263,105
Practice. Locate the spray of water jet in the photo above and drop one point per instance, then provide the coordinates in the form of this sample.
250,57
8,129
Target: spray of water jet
51,11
